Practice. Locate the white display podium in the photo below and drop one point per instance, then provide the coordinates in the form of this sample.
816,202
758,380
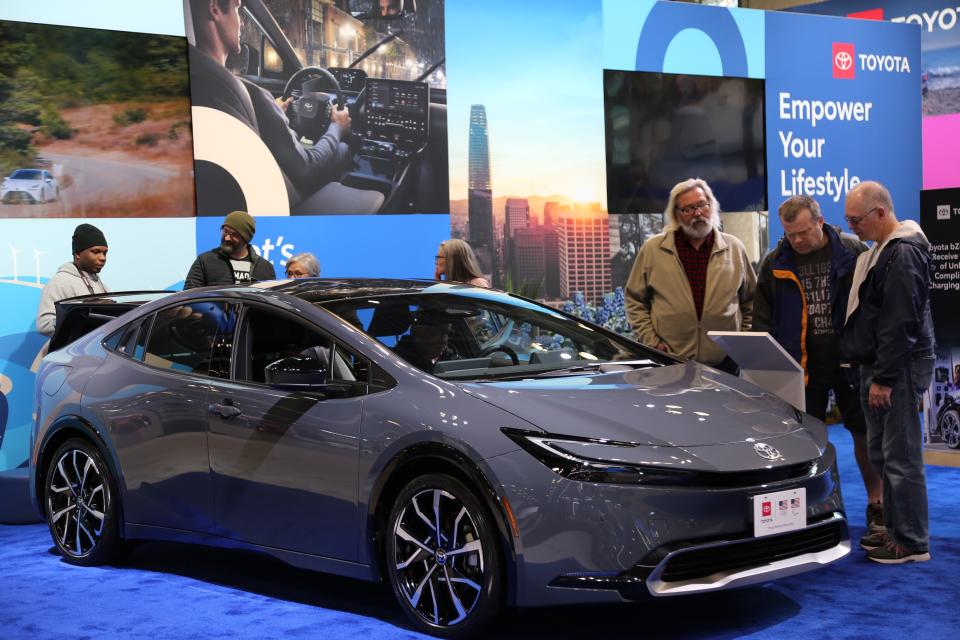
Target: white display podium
765,363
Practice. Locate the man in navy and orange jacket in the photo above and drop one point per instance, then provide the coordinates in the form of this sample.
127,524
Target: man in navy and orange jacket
801,300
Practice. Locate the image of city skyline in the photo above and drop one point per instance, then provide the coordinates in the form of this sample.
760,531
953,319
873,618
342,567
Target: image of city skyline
543,104
527,157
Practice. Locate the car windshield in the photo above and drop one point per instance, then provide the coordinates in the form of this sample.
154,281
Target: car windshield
325,34
26,174
477,334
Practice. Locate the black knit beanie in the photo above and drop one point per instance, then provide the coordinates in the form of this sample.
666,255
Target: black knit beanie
86,236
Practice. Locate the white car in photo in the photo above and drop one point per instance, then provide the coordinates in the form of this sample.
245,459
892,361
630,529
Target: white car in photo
35,186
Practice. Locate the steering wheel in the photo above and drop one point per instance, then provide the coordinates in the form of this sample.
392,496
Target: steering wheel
311,111
503,349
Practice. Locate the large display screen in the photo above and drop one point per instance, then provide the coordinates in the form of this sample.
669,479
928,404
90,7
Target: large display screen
397,111
662,128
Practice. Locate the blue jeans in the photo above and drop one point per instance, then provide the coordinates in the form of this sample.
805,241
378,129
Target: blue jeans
895,443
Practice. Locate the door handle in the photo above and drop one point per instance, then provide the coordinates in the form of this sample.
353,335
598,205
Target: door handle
225,410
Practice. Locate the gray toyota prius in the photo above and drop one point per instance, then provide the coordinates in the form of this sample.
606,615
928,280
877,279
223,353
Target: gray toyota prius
474,448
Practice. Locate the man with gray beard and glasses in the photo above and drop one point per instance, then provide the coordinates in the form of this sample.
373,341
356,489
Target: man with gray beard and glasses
690,279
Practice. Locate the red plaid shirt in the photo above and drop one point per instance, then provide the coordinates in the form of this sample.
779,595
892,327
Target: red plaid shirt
694,263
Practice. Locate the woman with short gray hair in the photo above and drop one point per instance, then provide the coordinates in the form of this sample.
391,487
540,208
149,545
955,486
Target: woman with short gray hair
303,265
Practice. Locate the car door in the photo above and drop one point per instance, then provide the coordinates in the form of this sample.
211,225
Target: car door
284,459
150,395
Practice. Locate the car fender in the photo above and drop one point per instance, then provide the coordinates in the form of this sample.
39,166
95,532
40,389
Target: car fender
62,429
442,450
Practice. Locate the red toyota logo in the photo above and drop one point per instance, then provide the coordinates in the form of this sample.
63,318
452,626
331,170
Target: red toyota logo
843,60
843,57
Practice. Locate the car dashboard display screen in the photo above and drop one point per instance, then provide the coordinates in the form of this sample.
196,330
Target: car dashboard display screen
663,128
397,111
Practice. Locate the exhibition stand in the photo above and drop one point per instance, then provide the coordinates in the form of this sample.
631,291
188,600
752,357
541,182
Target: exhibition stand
765,363
762,105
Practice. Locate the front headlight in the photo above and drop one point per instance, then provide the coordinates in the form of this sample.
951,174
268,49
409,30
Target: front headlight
554,451
548,449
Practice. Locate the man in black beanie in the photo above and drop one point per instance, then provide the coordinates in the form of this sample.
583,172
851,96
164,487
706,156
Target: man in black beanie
77,278
234,261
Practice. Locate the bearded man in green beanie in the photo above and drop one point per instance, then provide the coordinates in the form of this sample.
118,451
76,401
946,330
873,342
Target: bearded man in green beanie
234,261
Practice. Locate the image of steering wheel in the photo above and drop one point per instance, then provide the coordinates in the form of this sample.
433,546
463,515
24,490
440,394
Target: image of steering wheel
315,93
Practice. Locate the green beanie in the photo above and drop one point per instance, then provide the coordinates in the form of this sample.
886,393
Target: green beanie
243,222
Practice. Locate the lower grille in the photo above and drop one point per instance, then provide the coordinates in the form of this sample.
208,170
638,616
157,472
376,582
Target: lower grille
699,563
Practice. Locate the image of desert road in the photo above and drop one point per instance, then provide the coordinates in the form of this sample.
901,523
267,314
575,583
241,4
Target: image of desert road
106,169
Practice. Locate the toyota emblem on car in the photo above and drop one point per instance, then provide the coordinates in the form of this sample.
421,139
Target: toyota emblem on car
764,450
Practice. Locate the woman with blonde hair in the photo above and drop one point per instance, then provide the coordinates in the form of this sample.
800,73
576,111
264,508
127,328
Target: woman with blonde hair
456,262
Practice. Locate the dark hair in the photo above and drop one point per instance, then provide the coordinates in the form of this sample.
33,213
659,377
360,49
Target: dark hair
793,205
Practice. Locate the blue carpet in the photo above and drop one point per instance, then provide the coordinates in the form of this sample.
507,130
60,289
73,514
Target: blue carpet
166,590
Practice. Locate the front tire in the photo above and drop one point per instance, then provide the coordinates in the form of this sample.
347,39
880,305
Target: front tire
80,505
449,585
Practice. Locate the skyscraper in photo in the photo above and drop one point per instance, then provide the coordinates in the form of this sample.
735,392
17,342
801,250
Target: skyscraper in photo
516,215
478,174
480,192
584,240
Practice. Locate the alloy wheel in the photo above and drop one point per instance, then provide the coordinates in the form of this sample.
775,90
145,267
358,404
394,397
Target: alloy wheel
950,429
439,557
78,497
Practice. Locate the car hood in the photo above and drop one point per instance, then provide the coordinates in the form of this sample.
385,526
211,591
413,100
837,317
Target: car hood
683,405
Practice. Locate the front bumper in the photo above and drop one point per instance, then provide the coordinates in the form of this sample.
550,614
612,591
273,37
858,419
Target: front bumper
725,564
591,542
15,196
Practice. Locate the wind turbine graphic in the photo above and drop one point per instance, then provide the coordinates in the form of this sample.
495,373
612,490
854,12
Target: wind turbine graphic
36,257
13,254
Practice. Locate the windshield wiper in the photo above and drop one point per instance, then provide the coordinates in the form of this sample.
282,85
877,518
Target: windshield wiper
426,74
602,367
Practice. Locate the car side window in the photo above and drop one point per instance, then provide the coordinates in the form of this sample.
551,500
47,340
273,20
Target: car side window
272,337
182,337
129,340
349,367
124,340
140,348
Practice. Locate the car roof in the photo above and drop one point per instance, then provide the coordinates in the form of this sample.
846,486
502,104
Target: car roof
319,290
315,290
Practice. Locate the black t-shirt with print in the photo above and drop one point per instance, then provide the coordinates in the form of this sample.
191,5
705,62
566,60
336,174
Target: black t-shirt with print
241,269
813,271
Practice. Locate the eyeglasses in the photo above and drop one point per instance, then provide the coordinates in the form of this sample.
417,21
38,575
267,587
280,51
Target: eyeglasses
691,209
855,220
296,274
437,258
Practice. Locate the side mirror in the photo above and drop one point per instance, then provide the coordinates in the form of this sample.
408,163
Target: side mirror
296,371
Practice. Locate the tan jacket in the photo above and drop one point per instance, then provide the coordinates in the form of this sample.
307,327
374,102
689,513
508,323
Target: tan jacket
660,304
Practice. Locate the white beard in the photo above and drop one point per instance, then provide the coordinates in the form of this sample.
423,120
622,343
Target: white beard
697,228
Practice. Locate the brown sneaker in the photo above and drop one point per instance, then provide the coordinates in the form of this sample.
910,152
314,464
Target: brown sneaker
875,517
893,553
873,541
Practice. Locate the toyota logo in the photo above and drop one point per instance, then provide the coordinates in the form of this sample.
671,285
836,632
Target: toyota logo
767,452
843,60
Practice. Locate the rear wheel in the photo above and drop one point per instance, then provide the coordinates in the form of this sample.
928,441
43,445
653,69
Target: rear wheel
80,507
950,428
442,557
